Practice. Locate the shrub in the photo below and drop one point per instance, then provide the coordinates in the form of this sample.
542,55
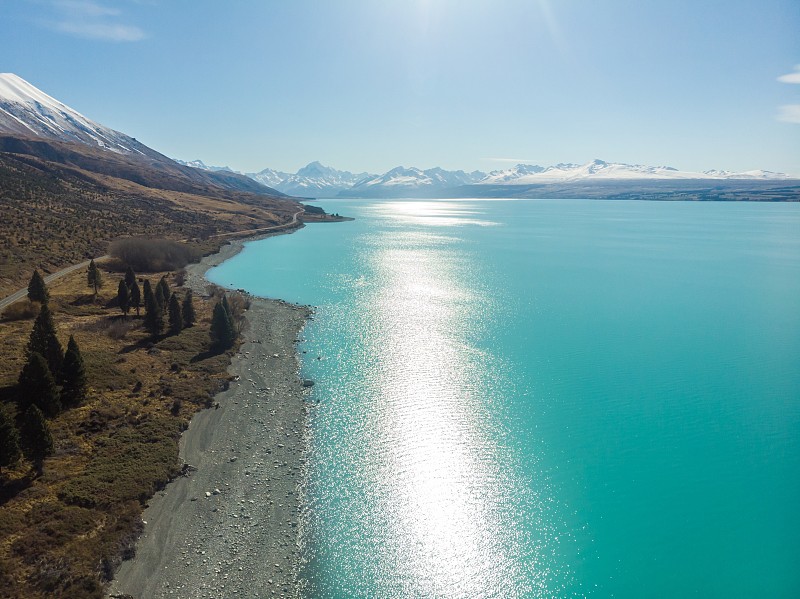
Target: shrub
153,255
22,310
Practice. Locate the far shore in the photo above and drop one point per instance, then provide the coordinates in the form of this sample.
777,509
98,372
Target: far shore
230,528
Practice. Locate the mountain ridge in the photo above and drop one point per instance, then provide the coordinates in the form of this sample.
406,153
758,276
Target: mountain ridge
34,123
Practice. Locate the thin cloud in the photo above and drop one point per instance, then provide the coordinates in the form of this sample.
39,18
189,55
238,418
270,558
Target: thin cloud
85,8
101,31
791,77
93,20
789,113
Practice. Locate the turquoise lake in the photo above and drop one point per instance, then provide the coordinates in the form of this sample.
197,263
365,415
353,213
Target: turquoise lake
547,398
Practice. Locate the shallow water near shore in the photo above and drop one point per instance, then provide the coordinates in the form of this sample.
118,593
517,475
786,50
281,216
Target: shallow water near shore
547,398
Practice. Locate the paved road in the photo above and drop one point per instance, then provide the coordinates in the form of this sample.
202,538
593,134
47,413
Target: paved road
22,293
291,223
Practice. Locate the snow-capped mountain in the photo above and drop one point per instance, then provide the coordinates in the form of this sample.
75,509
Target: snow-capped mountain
28,111
270,177
34,123
203,166
526,174
413,180
313,180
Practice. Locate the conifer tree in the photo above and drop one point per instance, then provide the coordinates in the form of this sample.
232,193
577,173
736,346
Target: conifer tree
123,298
93,276
38,387
9,442
175,315
229,313
136,296
153,315
130,277
223,333
43,340
37,442
147,293
189,315
37,290
162,293
73,376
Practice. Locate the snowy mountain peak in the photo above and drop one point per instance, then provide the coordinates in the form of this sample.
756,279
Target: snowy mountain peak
26,110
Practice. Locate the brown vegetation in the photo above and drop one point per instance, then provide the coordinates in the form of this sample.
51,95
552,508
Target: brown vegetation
63,533
55,215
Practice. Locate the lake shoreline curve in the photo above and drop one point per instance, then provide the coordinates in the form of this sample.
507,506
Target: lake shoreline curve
231,527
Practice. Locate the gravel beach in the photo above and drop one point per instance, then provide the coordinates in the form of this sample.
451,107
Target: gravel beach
230,528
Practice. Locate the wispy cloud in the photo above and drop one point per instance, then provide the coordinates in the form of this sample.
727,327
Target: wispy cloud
791,77
789,113
93,20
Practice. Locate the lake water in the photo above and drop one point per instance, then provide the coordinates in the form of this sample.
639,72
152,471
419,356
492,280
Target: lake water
545,398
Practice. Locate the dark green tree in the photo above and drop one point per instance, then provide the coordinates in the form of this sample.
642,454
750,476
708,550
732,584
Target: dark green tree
37,290
163,293
73,376
93,276
175,315
189,315
124,298
136,296
147,293
9,442
153,314
37,442
223,333
38,387
44,341
130,277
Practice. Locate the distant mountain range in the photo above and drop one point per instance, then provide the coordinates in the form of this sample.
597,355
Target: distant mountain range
33,123
605,178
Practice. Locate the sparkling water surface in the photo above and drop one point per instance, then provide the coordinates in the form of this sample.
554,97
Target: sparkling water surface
547,398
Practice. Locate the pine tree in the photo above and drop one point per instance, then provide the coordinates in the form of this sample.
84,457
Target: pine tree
9,442
37,290
153,315
163,293
37,442
73,376
147,293
136,296
43,340
94,277
189,315
229,314
38,387
130,277
123,298
175,315
223,333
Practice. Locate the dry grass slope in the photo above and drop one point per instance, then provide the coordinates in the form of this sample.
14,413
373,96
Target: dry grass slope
62,534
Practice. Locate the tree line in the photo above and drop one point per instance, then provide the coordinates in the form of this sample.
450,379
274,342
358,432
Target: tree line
53,379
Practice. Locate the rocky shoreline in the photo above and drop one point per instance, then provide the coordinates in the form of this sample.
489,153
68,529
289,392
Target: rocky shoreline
230,528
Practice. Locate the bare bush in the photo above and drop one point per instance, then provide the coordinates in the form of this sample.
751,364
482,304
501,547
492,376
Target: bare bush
118,329
21,310
153,255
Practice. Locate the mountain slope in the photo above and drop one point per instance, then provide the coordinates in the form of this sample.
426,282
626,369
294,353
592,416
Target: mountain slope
34,123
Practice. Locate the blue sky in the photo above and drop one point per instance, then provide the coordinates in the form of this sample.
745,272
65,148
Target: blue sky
367,86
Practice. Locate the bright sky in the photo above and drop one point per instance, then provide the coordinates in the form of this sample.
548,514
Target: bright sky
369,85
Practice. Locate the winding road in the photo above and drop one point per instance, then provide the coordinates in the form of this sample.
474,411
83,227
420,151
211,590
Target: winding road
22,293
